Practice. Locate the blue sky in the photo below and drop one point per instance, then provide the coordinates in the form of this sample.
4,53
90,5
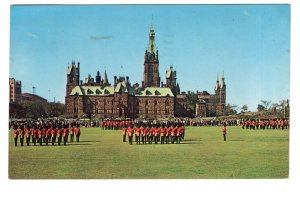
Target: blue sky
250,43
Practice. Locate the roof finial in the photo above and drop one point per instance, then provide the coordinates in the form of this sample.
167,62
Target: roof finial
217,77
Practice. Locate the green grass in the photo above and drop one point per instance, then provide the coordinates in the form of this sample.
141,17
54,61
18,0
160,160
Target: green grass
202,155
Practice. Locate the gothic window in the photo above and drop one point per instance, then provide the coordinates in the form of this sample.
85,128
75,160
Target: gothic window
98,91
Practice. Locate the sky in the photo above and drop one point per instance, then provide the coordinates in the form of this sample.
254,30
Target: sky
249,43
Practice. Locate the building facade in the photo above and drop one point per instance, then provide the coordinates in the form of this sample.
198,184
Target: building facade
153,99
15,90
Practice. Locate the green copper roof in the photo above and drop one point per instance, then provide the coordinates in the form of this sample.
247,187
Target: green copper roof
156,91
93,90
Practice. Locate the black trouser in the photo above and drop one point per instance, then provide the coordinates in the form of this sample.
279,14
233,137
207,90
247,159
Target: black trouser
224,136
34,141
77,138
155,139
72,137
150,140
16,141
130,139
172,139
144,139
183,134
137,139
178,139
65,140
162,139
46,140
32,138
40,141
28,140
21,140
124,138
59,140
167,139
53,140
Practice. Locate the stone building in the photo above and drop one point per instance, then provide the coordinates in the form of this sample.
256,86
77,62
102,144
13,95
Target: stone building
153,99
15,90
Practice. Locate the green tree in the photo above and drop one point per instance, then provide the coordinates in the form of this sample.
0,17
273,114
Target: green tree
244,108
260,107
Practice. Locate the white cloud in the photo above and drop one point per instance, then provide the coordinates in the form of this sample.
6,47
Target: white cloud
29,34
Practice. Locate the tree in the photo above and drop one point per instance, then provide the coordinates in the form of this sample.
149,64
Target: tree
260,107
244,108
191,99
265,104
231,109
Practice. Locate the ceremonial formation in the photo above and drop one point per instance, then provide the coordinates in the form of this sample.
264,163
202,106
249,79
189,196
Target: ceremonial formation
45,133
163,133
266,124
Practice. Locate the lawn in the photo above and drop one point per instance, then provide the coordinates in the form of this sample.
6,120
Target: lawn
202,155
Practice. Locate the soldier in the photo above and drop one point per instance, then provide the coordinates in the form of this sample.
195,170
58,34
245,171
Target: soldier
77,132
72,133
137,134
179,133
40,135
47,135
162,134
16,134
27,134
130,134
53,135
151,131
65,134
59,135
144,134
224,131
156,133
168,133
173,133
21,132
124,129
34,135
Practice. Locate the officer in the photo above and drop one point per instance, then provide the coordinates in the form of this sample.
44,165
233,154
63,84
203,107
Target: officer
224,131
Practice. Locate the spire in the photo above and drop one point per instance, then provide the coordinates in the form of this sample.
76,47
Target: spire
151,45
104,78
217,83
223,81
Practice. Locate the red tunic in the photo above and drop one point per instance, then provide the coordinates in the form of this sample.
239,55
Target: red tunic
137,131
77,131
16,133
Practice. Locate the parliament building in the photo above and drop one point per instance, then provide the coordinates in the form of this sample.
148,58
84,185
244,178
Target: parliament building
151,99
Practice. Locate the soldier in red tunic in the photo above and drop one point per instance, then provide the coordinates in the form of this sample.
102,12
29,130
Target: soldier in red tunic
53,135
124,129
27,133
59,134
137,134
224,131
72,132
130,134
22,133
40,135
16,134
65,134
77,132
168,133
